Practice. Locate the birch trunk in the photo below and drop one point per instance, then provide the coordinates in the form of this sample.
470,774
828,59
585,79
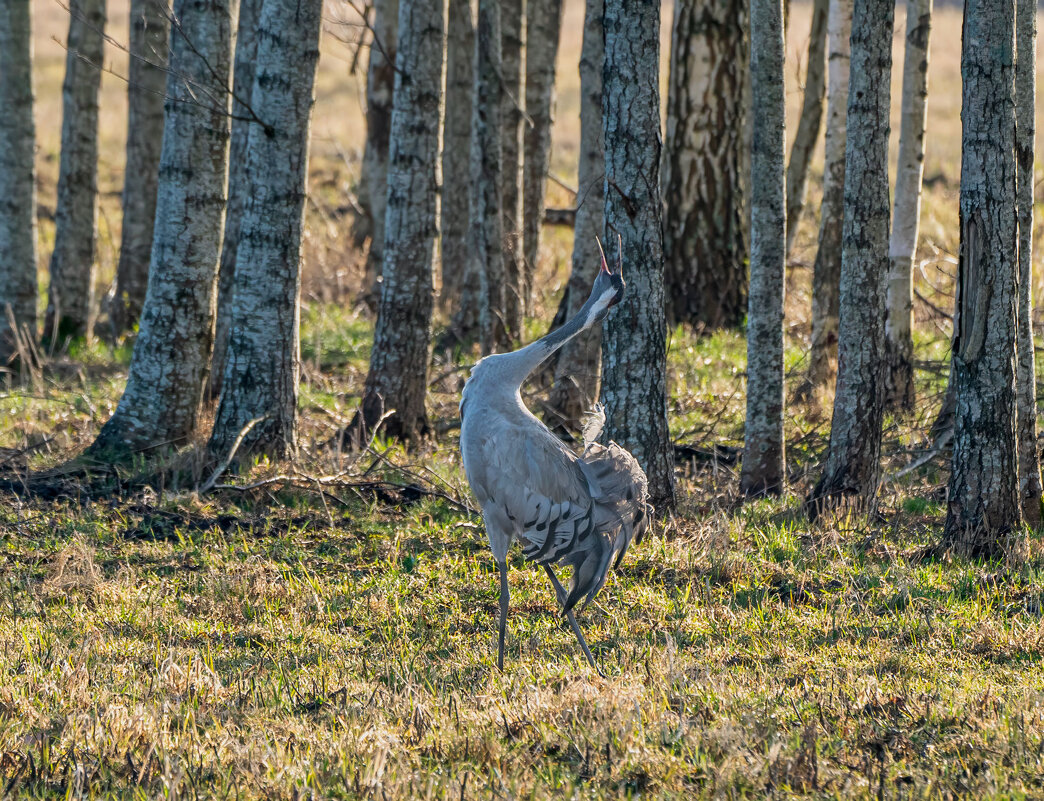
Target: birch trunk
826,273
398,373
380,93
1025,108
853,470
543,26
71,296
263,364
512,100
763,462
579,363
634,380
18,280
706,227
898,371
811,120
983,506
456,135
149,30
239,187
168,370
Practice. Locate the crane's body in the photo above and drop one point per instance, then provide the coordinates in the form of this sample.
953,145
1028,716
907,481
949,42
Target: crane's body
564,509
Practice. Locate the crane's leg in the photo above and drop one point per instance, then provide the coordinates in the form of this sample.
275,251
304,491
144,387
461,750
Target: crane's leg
505,596
561,593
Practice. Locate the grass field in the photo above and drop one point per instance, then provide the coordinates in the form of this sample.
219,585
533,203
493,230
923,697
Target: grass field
336,638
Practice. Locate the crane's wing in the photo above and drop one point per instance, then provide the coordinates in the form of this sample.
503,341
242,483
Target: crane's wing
619,494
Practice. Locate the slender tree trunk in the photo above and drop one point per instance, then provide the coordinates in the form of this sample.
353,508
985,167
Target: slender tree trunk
512,100
1025,109
826,273
706,226
634,381
380,92
898,371
543,26
168,370
149,30
71,295
983,507
18,281
763,464
263,364
579,363
456,136
811,120
853,468
239,186
397,382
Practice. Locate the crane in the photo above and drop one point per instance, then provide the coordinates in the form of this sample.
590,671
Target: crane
581,511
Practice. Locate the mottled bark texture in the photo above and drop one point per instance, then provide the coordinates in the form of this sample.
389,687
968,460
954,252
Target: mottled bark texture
543,26
149,29
373,181
18,283
402,341
983,507
263,363
706,227
826,272
898,369
810,122
763,463
239,187
1025,110
579,362
634,379
853,466
70,299
512,104
168,370
456,135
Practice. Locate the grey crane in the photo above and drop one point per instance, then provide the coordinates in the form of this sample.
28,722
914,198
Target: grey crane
580,511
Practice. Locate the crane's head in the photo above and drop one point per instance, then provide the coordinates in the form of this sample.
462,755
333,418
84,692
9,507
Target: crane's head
609,286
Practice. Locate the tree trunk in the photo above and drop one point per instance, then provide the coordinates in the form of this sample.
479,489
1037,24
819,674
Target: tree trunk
168,370
543,26
853,468
1025,109
826,273
634,381
898,369
398,376
239,187
149,30
983,506
763,463
705,230
263,364
579,363
456,135
512,100
18,280
71,296
380,92
811,120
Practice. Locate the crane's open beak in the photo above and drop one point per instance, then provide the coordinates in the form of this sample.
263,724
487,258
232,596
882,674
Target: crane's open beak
616,279
605,266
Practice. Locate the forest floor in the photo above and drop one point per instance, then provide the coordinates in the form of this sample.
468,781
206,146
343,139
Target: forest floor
331,630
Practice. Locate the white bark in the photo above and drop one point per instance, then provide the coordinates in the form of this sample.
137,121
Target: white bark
906,215
18,282
263,364
71,295
763,449
826,274
634,380
512,100
149,30
168,370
